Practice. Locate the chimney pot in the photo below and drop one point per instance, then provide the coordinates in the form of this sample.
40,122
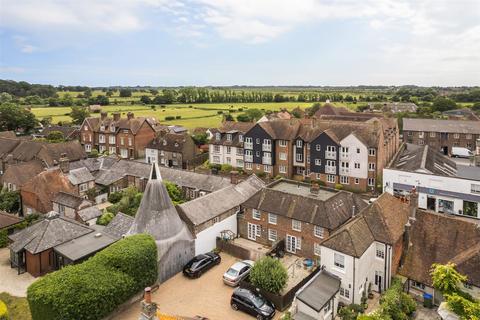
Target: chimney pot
103,115
130,115
116,116
64,163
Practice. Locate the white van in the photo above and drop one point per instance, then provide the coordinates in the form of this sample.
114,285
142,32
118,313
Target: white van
458,152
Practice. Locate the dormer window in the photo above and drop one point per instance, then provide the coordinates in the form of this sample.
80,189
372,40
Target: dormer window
102,128
299,143
176,144
112,128
164,142
229,137
218,136
240,137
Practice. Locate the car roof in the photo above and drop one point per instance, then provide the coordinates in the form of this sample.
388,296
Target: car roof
238,265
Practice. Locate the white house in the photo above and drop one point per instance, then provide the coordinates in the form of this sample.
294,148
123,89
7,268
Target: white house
226,143
363,255
215,212
443,186
353,158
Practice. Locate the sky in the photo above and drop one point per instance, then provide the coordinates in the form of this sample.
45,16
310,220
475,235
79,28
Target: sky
241,42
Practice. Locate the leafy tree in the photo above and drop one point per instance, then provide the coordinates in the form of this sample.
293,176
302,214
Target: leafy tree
226,168
9,200
129,202
94,153
105,218
114,197
476,106
243,118
443,104
228,117
14,117
200,139
313,109
78,114
5,97
124,93
145,100
174,192
269,274
254,114
46,121
350,312
55,136
446,278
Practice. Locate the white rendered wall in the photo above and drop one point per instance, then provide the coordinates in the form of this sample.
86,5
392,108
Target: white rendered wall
206,240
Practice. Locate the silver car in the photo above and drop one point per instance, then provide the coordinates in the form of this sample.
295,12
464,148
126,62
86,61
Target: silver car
237,272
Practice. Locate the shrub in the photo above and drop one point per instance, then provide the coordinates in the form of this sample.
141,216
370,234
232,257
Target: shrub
350,312
3,311
178,117
226,168
339,186
114,197
395,304
94,153
93,289
465,308
105,218
3,238
446,278
269,274
168,118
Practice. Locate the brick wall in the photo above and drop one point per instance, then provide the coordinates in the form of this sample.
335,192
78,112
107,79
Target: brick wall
283,227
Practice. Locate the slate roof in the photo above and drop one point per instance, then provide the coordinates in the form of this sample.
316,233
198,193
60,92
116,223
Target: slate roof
133,124
319,290
382,221
205,208
95,164
329,212
47,233
119,225
194,180
423,159
169,141
434,125
7,220
86,245
438,238
21,173
68,132
69,200
46,185
79,176
20,150
181,178
89,213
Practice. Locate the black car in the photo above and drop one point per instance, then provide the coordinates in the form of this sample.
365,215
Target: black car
252,303
201,263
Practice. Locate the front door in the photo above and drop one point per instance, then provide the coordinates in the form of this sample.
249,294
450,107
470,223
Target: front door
291,243
431,203
253,231
378,280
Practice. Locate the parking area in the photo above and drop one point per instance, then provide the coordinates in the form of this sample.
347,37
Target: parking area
10,281
206,296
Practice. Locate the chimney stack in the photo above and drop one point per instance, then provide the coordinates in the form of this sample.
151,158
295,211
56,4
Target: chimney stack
116,116
353,211
234,177
413,202
149,308
103,115
130,115
64,163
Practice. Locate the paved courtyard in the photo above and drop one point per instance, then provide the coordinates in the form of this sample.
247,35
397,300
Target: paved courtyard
10,281
206,296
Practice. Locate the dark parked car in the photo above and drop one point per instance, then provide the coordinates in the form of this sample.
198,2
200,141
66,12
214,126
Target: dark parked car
201,263
252,303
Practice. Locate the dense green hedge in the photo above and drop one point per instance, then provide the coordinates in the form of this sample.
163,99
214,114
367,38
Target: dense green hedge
93,289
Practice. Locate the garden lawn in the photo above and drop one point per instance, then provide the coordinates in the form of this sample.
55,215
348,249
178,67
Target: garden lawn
18,308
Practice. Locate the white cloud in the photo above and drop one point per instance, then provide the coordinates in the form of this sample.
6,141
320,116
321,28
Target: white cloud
22,43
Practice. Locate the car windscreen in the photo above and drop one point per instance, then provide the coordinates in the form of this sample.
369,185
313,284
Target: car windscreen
232,272
257,301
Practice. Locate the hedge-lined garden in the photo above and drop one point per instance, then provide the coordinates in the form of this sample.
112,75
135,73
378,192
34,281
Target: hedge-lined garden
93,289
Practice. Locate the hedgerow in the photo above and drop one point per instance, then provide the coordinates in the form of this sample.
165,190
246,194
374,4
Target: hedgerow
93,289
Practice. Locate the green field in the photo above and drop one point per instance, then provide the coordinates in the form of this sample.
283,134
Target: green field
192,115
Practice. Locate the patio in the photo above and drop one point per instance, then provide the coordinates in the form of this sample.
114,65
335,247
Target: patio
10,281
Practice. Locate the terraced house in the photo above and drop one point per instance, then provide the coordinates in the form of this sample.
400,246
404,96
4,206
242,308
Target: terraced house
124,137
226,143
441,135
335,150
298,213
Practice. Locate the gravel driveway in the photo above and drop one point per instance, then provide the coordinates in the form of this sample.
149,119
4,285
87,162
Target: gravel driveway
206,296
10,281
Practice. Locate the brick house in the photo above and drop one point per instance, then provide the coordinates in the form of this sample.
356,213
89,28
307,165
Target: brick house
17,175
226,143
346,150
171,149
441,135
301,214
126,137
38,193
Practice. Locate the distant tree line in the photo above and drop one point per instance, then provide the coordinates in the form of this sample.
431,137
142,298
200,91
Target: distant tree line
23,89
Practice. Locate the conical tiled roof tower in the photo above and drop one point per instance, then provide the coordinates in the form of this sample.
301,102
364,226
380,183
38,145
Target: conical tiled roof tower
158,217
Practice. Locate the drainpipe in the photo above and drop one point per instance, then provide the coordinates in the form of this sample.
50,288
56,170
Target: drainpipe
353,291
